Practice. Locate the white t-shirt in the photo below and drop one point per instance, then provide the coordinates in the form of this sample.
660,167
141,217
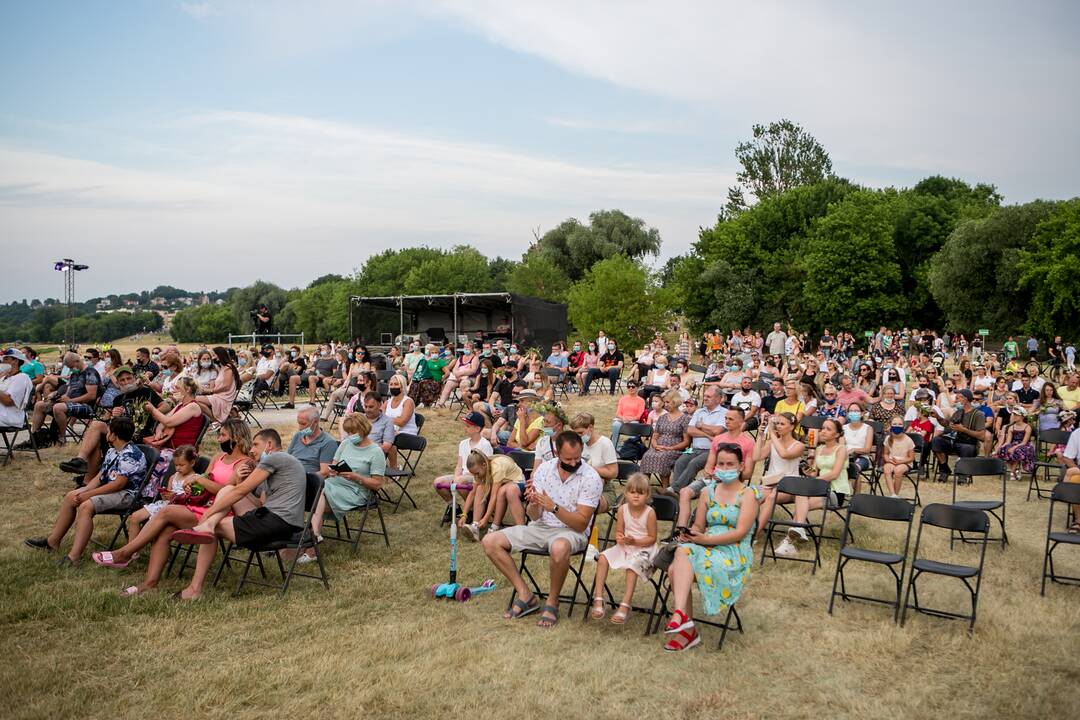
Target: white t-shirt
600,454
746,401
463,450
1072,448
19,387
544,450
264,365
982,383
1036,384
856,439
913,413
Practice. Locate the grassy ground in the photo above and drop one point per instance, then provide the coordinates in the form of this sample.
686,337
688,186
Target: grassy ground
377,645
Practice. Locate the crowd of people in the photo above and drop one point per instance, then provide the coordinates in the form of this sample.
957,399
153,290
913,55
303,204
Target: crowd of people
720,422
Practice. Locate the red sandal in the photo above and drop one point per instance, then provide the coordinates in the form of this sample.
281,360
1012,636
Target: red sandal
685,640
679,622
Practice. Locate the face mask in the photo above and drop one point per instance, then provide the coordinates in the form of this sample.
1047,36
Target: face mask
854,416
612,348
513,350
155,357
538,385
585,438
484,371
205,364
226,446
896,430
166,372
570,468
487,353
395,391
577,348
727,476
549,431
263,457
242,362
592,348
661,366
305,432
355,439
292,353
468,351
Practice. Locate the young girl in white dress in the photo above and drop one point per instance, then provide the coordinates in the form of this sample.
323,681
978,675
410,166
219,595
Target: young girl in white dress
635,545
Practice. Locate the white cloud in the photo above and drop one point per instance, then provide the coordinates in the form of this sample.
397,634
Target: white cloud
199,11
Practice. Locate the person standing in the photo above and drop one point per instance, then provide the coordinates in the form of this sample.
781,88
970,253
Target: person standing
777,341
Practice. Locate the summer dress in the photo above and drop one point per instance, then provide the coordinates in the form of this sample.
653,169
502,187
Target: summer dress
721,570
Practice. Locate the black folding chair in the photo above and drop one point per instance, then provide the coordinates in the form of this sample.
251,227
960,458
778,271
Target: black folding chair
122,514
525,460
1068,494
954,519
245,403
384,375
299,542
643,431
353,534
11,434
624,470
410,448
800,486
558,381
576,572
877,508
419,422
1047,439
972,468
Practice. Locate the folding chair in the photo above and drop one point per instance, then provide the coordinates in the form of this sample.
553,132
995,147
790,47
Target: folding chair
558,381
245,403
299,542
667,510
384,376
11,434
1046,439
574,571
981,467
916,472
634,429
878,508
410,448
361,529
525,460
800,486
954,519
1067,494
872,475
624,470
419,423
151,455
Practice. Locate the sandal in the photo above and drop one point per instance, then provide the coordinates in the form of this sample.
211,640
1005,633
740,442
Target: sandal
523,607
193,537
105,559
597,612
685,640
619,618
1074,529
549,618
678,623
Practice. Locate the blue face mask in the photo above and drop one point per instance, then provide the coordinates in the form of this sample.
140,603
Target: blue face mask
264,456
854,416
304,433
549,431
896,430
727,476
355,439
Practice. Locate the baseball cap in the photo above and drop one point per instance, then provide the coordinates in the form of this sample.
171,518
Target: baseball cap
123,369
474,418
15,353
964,392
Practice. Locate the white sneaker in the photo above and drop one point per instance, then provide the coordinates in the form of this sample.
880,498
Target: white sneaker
591,553
895,496
786,548
305,559
473,531
798,534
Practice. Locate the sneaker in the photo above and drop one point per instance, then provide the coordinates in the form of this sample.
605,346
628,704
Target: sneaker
472,530
38,543
786,548
288,406
797,534
591,553
894,496
75,466
305,559
494,528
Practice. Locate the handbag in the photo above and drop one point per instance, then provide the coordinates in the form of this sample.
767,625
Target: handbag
665,555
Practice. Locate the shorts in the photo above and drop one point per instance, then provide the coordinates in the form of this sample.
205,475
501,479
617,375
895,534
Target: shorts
538,538
79,410
697,486
112,502
260,527
862,462
836,500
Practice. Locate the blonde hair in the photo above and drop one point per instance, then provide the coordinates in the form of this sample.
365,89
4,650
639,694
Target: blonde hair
356,424
582,420
239,433
479,466
188,384
673,396
638,482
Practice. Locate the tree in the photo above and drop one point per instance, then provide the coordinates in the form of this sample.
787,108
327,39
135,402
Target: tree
465,269
974,277
575,248
1048,270
781,156
244,300
499,269
385,274
538,276
320,312
853,279
617,296
204,323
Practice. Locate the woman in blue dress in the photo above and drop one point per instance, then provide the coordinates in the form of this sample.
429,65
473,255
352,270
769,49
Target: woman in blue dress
716,550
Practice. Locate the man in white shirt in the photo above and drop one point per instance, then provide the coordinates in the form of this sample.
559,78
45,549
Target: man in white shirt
706,423
266,368
750,402
15,389
777,341
561,501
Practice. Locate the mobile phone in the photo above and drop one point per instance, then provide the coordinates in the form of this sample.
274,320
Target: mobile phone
341,467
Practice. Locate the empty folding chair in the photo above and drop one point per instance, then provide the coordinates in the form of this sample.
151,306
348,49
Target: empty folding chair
876,508
1067,494
419,423
245,403
298,543
642,431
954,519
525,460
799,486
972,468
1047,468
410,448
11,434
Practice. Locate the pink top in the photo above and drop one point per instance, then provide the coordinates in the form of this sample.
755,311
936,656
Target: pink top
630,406
221,471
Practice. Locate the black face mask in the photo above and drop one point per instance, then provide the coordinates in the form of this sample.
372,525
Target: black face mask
226,447
570,468
395,391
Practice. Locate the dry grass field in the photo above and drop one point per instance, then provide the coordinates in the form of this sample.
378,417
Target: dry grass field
376,645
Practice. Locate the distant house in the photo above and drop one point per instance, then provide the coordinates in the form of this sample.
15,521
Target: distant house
131,303
184,300
103,304
204,299
158,301
219,301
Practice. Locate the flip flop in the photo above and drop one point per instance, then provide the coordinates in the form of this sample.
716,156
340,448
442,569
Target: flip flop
523,608
193,537
545,622
131,591
105,559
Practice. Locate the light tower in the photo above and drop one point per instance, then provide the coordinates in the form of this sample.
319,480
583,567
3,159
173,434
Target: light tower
69,267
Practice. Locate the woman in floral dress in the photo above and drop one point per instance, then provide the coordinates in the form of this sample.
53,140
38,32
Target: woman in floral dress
716,550
670,437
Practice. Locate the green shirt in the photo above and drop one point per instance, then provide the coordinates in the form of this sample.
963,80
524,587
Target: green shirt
431,369
32,368
1011,349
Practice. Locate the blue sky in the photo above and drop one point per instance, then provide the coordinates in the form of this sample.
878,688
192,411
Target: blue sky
209,144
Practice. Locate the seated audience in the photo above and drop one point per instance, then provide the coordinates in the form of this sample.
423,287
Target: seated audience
473,425
16,387
182,424
1014,445
670,437
735,434
898,457
635,545
611,366
217,398
310,445
77,399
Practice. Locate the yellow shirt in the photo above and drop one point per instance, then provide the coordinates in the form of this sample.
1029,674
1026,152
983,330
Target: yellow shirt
504,470
519,433
783,406
1071,398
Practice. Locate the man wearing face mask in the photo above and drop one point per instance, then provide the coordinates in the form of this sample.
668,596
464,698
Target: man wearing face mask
144,366
76,400
611,366
265,369
15,389
310,445
560,503
284,482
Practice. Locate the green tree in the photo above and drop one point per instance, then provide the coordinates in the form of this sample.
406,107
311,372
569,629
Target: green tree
204,323
780,156
465,269
538,276
975,276
320,312
499,269
1048,270
244,300
853,279
618,297
575,247
385,274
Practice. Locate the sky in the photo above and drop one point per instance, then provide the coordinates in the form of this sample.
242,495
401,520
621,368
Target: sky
209,144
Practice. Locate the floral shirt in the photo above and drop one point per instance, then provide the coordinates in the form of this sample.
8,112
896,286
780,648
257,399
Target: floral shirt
128,462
